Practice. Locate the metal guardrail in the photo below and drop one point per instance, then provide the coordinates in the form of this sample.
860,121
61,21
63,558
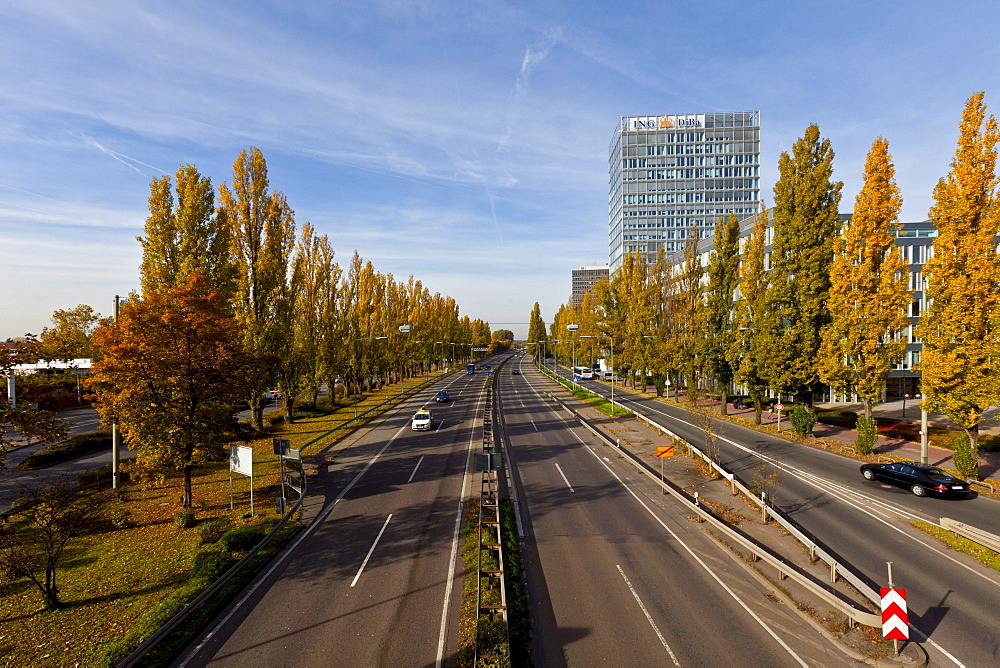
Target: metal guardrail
783,568
815,551
139,653
984,538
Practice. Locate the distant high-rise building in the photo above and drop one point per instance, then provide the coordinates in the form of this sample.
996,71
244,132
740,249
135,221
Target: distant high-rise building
670,175
584,280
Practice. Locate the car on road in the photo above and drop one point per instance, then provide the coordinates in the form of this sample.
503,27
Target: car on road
919,479
274,393
422,420
441,397
515,372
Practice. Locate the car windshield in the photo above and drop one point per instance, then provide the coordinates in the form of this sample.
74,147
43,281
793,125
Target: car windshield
937,474
422,415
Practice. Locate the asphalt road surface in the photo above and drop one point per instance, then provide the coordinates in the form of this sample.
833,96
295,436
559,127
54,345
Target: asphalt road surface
375,579
617,575
953,600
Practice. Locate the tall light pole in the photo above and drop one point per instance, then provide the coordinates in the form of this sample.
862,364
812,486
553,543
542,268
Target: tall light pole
116,437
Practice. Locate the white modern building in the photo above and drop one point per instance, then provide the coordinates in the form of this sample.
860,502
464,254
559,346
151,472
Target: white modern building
671,176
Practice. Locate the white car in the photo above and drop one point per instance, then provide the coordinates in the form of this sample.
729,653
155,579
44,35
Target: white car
422,420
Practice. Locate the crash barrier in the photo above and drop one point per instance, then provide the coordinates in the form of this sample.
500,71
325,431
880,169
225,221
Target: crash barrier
984,538
784,568
140,652
816,552
137,656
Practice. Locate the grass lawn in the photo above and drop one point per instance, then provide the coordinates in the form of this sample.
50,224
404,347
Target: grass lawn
111,579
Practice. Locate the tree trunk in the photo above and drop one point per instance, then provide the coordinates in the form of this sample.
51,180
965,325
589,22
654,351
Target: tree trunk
289,402
724,396
188,497
51,591
974,450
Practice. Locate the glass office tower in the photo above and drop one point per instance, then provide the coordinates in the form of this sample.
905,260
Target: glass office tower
674,176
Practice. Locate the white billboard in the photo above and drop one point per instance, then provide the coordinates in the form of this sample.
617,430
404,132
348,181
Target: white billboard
241,459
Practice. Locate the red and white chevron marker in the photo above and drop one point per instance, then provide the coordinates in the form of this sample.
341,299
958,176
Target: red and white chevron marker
895,621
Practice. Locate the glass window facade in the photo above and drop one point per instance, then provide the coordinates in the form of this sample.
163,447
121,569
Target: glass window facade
674,176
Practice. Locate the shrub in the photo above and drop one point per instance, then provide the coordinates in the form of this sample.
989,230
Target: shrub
989,443
184,518
660,383
838,417
120,517
209,565
212,530
867,433
803,420
242,539
966,464
77,446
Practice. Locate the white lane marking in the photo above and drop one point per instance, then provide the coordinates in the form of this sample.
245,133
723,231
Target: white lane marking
371,550
648,617
454,543
533,424
701,563
415,469
291,548
838,491
440,424
565,479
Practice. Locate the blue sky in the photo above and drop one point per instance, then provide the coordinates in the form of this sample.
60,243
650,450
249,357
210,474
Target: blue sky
464,143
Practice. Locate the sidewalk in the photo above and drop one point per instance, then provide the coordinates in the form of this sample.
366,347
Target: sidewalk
989,462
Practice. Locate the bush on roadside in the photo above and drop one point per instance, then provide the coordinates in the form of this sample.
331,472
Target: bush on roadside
867,433
77,446
184,518
989,443
803,420
210,564
212,530
242,538
966,464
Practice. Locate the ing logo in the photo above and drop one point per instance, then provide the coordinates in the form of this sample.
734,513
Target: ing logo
666,122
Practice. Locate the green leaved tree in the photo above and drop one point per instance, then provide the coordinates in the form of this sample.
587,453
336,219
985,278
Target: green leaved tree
748,351
960,365
806,226
723,277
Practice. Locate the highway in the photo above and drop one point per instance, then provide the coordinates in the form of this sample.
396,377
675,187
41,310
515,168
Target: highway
616,573
374,580
953,600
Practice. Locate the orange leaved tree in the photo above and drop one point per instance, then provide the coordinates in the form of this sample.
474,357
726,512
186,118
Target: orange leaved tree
172,372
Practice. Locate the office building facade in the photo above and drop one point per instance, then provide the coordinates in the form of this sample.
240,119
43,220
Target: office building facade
675,176
584,280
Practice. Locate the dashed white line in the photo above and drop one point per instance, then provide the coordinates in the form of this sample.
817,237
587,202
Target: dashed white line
415,469
564,478
648,617
370,551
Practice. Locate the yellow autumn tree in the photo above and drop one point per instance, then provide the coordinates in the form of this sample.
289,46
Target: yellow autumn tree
961,356
869,293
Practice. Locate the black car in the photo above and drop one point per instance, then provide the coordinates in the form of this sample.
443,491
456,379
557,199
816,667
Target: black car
515,372
441,397
918,478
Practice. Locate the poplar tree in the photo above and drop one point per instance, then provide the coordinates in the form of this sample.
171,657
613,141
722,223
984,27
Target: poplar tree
185,235
691,315
960,328
723,276
536,327
806,225
262,229
748,352
869,290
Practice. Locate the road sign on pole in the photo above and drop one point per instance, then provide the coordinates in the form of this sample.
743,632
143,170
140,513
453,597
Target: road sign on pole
665,451
895,621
